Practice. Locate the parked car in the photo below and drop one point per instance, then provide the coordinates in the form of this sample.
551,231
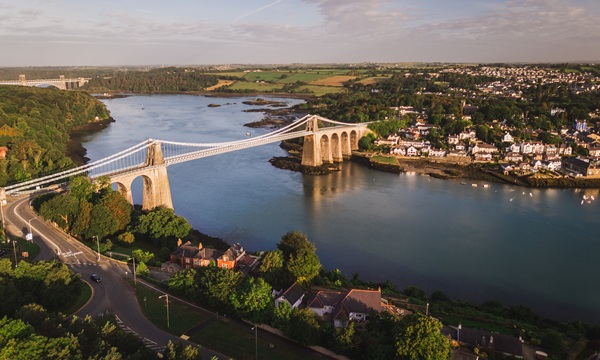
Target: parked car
96,278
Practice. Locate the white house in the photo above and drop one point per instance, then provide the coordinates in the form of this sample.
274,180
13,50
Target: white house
292,295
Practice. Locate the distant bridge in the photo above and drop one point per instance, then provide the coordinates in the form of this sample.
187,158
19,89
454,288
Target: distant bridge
325,141
61,83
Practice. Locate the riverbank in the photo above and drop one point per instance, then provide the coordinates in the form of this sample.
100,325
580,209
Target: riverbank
75,149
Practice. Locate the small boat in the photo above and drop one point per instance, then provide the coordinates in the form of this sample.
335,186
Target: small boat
463,183
486,185
474,185
248,134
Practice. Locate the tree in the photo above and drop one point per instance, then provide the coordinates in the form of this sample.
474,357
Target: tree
184,282
102,222
304,327
303,266
292,242
179,351
119,207
418,337
81,187
282,315
142,256
272,268
126,238
163,224
217,285
62,210
84,217
251,298
142,269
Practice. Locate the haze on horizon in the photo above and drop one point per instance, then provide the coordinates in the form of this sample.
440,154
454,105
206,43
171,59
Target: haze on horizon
180,32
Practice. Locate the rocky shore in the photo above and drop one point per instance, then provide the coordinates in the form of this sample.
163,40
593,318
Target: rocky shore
75,150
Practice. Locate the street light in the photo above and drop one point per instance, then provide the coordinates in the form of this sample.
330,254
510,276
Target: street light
167,296
15,250
98,243
427,310
458,335
255,328
134,276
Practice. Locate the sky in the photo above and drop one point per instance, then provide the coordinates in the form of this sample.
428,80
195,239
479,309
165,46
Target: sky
199,32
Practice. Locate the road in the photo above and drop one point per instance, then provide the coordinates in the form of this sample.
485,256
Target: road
113,295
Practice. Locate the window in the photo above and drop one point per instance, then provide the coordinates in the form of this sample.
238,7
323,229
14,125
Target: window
225,266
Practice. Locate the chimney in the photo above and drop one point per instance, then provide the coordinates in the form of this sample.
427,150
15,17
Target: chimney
199,246
178,242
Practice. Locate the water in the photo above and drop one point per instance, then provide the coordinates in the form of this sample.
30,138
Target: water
474,243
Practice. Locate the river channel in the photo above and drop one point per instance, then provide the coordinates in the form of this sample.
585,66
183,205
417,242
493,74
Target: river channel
536,247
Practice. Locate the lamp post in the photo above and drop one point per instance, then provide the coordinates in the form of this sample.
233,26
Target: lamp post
15,250
98,243
255,328
427,309
134,276
458,334
167,296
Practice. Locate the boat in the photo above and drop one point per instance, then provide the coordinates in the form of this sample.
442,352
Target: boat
474,185
463,183
248,134
486,185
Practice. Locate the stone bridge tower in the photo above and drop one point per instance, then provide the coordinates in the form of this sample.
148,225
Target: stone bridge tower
156,189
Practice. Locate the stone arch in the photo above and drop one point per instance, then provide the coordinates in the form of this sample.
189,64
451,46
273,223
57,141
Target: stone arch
336,148
125,190
345,142
326,149
354,137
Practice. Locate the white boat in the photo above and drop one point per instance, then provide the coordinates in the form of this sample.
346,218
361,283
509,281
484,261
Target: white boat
474,185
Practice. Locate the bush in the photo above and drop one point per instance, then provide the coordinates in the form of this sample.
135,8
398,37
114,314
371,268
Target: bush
164,254
126,238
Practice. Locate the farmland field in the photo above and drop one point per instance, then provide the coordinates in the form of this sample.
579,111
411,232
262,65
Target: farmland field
333,80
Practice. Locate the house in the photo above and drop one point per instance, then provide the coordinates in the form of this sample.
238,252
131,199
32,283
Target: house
412,151
537,147
467,135
433,152
488,341
401,150
594,151
515,148
581,167
483,157
580,125
345,306
292,295
507,138
513,157
482,147
229,259
552,165
191,256
526,148
565,150
453,139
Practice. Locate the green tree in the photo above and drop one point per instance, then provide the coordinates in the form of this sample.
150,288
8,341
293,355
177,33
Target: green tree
142,269
179,351
62,210
184,282
217,285
282,316
119,207
418,337
163,224
102,222
303,266
304,327
272,268
142,256
83,219
81,187
251,298
126,238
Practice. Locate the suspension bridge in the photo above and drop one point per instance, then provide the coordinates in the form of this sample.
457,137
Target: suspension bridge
325,141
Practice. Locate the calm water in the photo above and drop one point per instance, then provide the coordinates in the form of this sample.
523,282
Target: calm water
540,249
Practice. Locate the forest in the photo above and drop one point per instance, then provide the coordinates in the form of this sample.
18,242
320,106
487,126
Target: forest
34,129
163,80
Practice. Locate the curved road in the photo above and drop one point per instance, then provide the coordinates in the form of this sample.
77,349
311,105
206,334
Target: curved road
113,295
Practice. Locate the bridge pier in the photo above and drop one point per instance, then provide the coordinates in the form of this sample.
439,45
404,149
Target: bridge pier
328,146
156,190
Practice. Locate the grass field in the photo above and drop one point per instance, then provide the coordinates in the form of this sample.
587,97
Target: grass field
182,317
322,90
373,80
338,80
385,159
219,84
254,86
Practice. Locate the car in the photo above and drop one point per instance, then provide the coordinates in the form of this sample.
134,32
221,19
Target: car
96,278
2,252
